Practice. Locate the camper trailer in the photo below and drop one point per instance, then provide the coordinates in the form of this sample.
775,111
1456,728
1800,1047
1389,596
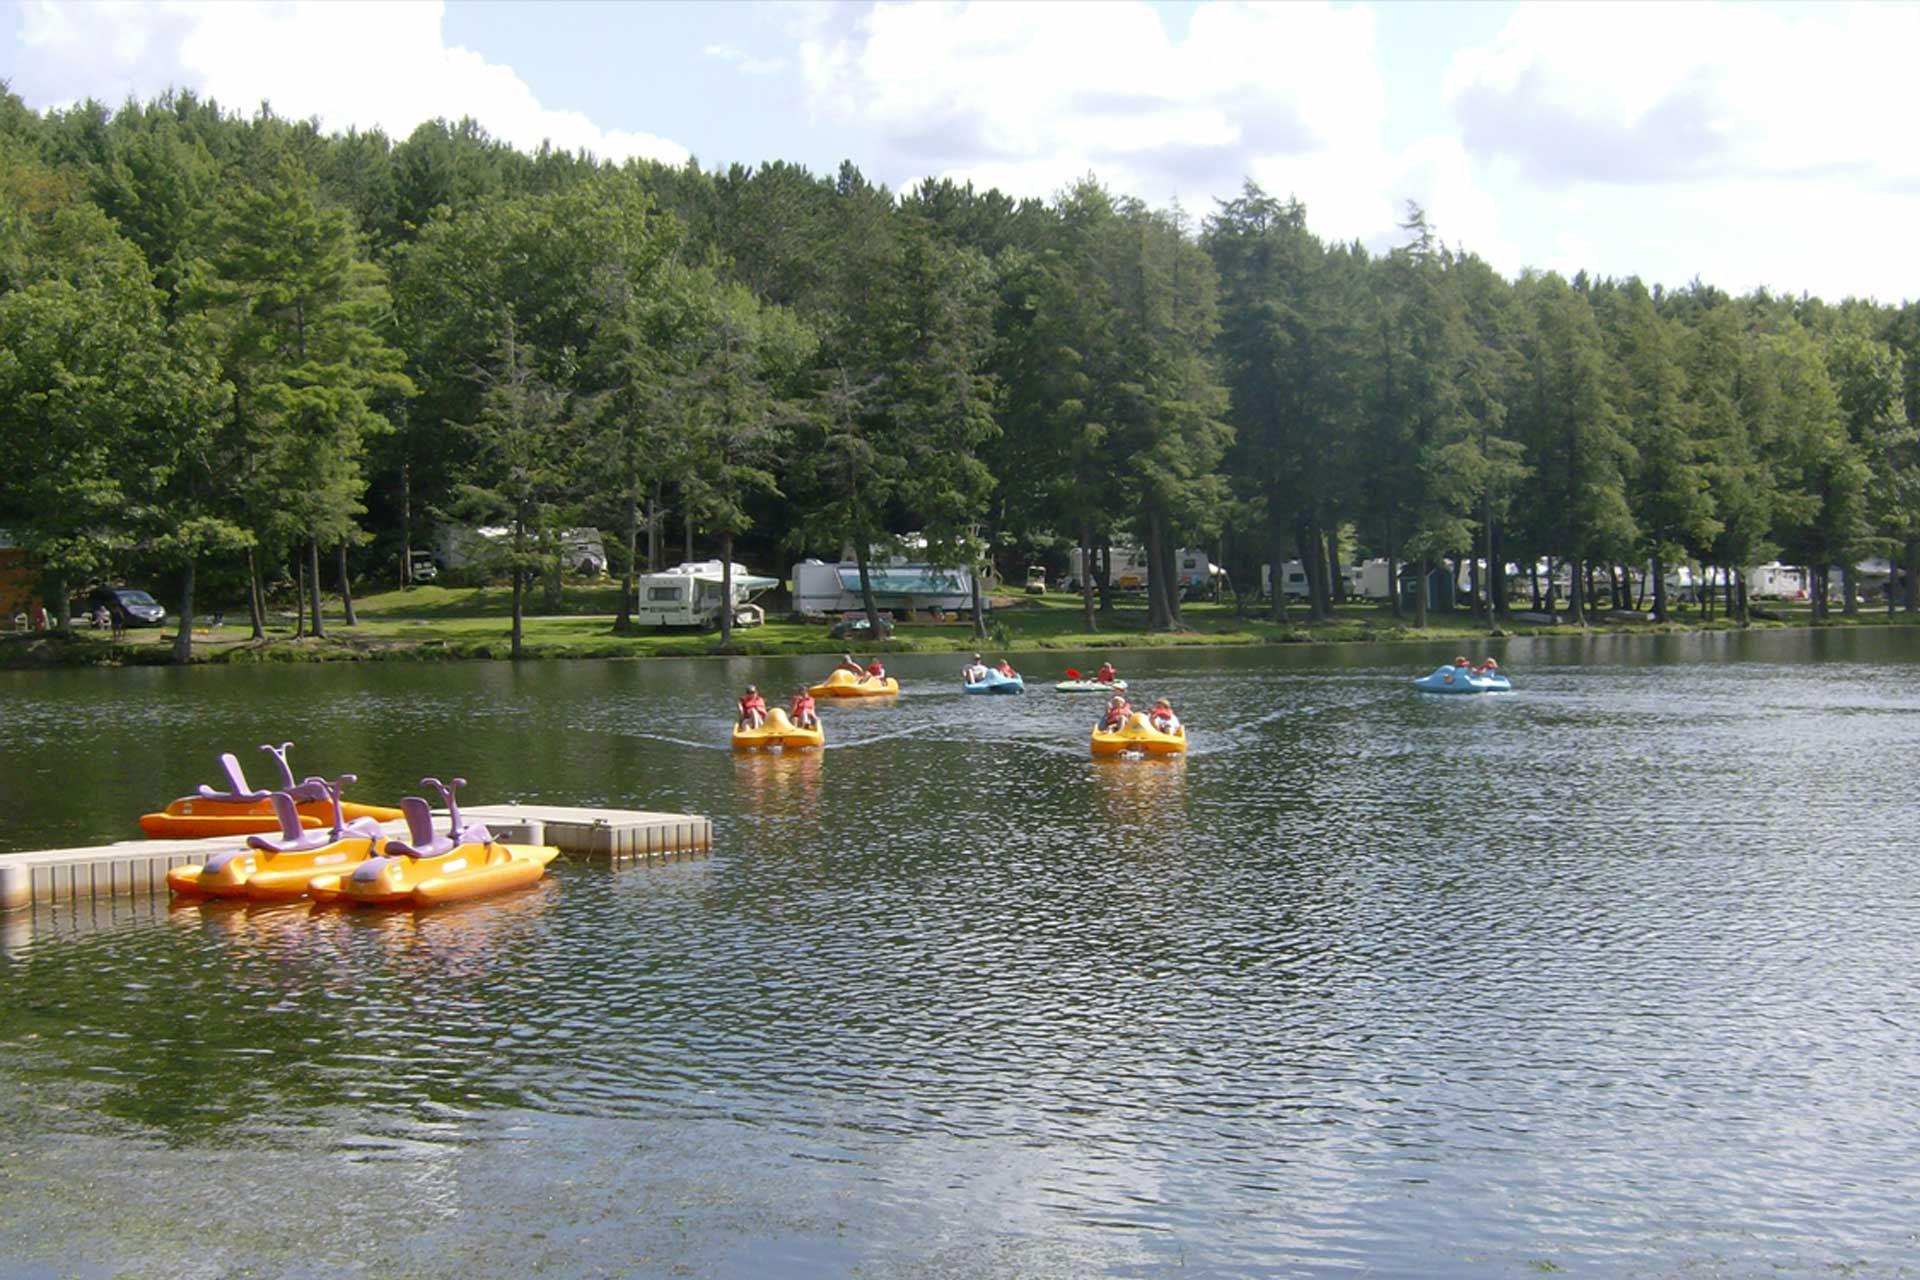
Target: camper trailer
464,547
822,590
688,595
1367,580
1128,569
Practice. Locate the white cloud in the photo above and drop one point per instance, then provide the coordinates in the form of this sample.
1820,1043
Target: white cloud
1749,145
347,62
1030,97
746,63
1633,93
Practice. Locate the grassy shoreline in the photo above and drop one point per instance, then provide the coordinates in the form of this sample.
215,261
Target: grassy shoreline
449,624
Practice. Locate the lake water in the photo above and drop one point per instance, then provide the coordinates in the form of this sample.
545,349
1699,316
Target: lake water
1612,975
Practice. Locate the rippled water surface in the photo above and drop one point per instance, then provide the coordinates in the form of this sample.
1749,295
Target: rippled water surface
1612,975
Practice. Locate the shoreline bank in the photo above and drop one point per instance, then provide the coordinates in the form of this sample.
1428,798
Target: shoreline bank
450,633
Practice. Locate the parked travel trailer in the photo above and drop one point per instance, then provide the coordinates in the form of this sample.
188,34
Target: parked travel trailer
1778,581
1128,568
689,595
821,589
582,550
1366,580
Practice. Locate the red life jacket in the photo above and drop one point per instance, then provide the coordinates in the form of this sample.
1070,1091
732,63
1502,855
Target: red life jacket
1106,675
877,671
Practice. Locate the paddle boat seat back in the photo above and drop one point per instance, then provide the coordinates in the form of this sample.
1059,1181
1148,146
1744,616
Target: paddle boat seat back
421,842
240,792
293,838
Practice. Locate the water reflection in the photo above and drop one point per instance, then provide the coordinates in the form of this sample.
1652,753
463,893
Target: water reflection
1142,791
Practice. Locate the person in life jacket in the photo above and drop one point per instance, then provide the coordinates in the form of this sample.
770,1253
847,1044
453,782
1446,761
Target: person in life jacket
1117,713
753,709
1106,674
1461,662
874,672
974,672
1005,668
1487,668
801,711
1162,717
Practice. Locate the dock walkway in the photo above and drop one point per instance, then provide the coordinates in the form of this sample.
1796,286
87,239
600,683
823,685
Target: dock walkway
140,866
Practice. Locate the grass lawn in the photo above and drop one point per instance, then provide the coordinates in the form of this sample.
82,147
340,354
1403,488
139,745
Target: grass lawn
433,623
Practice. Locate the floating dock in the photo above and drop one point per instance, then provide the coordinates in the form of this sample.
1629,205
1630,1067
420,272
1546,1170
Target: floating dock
135,867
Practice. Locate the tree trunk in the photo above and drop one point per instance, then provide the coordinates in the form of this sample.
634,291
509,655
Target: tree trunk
299,595
1497,571
1533,582
726,590
1159,617
1307,538
1336,584
1740,596
1576,595
866,588
516,644
1394,575
653,529
623,621
62,610
1659,589
1553,587
1086,575
1420,595
1277,549
346,589
1476,587
1106,575
1850,590
689,527
979,606
313,566
406,528
1170,556
183,639
256,598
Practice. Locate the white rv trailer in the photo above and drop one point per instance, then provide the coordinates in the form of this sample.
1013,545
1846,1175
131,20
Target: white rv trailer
1128,568
821,589
688,595
1366,580
582,550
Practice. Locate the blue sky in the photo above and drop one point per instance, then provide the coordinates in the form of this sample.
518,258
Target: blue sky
1750,145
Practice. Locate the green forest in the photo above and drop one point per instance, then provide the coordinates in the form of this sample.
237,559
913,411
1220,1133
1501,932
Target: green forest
251,360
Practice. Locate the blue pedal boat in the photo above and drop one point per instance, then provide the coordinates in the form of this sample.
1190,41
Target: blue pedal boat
1452,679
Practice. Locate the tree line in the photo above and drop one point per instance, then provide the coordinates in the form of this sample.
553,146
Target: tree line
244,354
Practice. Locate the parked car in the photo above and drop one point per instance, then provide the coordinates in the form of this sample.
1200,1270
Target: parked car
128,606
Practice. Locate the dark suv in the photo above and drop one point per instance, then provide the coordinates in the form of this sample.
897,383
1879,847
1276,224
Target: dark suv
129,606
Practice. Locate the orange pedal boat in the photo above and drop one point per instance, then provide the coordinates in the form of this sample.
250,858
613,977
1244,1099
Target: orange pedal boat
244,811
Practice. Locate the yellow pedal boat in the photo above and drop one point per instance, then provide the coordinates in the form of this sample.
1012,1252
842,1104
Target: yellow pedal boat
844,684
241,810
428,870
778,731
277,868
1138,735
